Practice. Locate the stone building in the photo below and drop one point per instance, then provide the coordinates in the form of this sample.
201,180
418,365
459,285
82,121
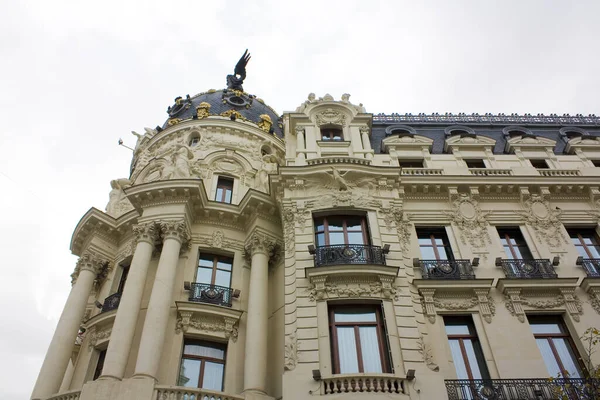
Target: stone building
333,252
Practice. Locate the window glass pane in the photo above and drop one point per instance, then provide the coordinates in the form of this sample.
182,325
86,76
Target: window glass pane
582,252
355,316
206,261
223,278
567,357
549,360
457,330
594,252
204,275
228,196
347,350
189,373
320,239
545,328
336,238
425,241
475,371
459,362
439,242
369,345
427,253
508,253
219,196
213,376
335,224
442,253
354,224
319,226
224,263
355,238
203,350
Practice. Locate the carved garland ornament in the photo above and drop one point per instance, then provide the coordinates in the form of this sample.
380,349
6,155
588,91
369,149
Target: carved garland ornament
426,352
514,303
323,287
97,336
544,220
470,220
291,352
480,297
331,117
594,294
227,326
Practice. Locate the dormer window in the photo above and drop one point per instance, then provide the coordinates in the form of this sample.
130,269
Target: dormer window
224,190
332,134
539,163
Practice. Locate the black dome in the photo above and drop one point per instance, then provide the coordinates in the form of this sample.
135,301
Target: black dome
221,102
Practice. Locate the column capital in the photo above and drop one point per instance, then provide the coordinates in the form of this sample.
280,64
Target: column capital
174,230
146,232
260,243
90,261
299,129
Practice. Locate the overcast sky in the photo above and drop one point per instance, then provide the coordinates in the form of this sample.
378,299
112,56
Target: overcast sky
75,76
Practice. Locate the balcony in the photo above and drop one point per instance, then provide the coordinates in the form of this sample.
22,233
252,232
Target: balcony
212,294
111,302
185,393
528,269
591,266
371,383
445,269
343,254
522,389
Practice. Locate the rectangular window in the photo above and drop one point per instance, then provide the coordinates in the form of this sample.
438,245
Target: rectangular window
224,190
214,270
358,340
539,163
434,244
123,279
465,348
585,241
556,346
332,134
202,365
475,163
341,229
99,364
411,163
596,163
514,244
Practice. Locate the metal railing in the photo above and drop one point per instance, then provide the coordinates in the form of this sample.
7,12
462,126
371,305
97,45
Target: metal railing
111,302
363,383
212,294
340,254
522,389
527,269
446,269
591,266
184,393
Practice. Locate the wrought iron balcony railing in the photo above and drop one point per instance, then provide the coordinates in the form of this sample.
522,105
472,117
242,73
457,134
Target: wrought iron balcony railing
591,266
523,389
446,269
213,294
111,302
340,254
527,269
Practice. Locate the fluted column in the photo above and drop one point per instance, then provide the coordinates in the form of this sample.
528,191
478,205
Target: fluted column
123,329
260,247
58,355
364,133
174,233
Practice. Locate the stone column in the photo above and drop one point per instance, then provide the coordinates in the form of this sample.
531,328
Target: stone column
300,147
364,133
259,247
155,326
57,358
129,307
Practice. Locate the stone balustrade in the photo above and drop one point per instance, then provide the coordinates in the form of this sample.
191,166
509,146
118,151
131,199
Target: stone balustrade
372,383
184,393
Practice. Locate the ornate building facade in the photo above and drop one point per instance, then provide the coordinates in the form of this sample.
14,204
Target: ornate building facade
332,252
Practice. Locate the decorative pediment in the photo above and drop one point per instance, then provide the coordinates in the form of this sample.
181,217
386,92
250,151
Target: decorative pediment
529,142
468,141
583,143
406,142
207,319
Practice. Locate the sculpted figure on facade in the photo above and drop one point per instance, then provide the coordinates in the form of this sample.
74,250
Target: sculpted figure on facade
180,166
118,204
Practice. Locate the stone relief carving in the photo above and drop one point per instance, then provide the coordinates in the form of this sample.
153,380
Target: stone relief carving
97,336
118,204
90,261
322,287
289,228
594,295
267,166
470,220
331,117
458,301
225,325
259,242
217,239
146,232
212,141
291,352
544,220
180,166
426,352
514,302
345,99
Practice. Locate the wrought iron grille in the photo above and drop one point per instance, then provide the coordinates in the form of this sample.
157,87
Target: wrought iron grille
446,269
528,269
213,294
591,266
523,389
111,302
349,254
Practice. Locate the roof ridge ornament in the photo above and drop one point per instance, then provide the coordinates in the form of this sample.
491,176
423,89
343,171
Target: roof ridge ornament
234,82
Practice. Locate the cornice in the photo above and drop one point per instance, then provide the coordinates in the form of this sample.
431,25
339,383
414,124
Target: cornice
505,284
177,191
94,222
488,119
452,284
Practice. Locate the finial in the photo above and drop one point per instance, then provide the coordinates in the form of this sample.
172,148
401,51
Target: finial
234,82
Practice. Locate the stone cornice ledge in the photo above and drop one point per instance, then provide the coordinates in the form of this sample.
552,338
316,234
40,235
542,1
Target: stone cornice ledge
94,222
102,319
590,283
540,284
453,284
350,270
208,317
177,191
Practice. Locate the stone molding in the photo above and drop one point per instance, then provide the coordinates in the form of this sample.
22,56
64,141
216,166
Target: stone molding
427,354
348,282
207,318
291,352
471,221
543,219
95,336
218,240
562,298
458,301
330,117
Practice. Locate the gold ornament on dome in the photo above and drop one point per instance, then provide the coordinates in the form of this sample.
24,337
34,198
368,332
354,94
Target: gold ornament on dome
265,123
173,121
233,113
203,110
